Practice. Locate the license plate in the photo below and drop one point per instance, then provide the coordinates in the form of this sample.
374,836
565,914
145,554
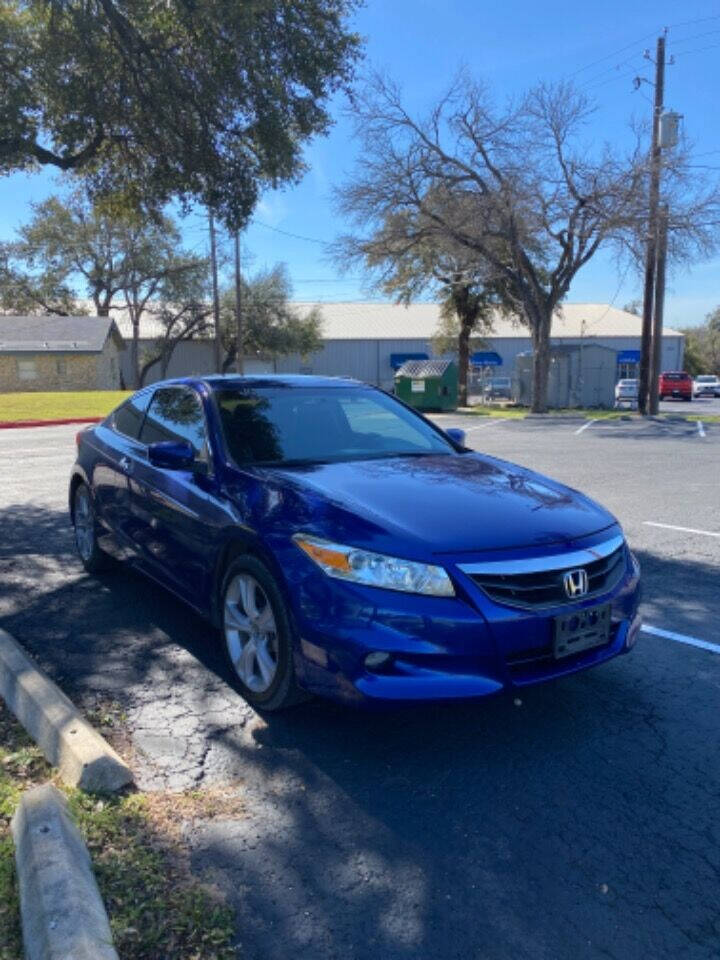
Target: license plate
581,630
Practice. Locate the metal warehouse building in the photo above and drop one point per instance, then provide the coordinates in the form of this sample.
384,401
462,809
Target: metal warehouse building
370,341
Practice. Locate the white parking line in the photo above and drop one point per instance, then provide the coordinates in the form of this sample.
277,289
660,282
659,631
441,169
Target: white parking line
700,428
681,638
481,426
585,426
670,526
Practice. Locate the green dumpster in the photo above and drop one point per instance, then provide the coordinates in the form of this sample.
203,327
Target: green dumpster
428,384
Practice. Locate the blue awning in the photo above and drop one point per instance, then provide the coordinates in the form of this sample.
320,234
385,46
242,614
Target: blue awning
398,359
486,358
628,356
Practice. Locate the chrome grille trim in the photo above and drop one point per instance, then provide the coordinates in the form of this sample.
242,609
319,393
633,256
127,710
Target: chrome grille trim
557,561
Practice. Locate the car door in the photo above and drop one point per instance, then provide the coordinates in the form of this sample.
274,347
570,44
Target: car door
116,448
178,515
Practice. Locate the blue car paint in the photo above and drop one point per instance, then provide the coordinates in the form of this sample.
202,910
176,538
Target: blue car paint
178,527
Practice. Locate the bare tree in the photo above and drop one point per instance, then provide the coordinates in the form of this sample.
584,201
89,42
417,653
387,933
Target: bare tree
405,267
515,188
180,322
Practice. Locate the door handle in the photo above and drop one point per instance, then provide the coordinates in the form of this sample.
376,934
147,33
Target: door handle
126,464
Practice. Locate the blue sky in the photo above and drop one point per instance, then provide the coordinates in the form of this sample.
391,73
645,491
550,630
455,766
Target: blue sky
512,45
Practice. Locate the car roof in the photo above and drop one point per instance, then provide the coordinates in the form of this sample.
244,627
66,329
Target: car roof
230,380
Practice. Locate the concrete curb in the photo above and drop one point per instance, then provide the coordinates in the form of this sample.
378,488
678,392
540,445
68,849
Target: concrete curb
18,424
62,913
68,741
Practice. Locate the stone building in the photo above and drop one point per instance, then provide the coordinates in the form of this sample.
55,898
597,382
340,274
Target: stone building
59,353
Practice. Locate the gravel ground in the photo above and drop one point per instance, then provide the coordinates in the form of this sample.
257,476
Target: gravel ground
581,823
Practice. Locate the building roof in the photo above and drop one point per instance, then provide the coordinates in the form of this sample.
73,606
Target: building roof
421,321
423,368
55,334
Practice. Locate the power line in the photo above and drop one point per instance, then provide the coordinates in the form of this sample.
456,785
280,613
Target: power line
696,36
624,76
609,56
287,233
616,66
628,46
683,53
690,23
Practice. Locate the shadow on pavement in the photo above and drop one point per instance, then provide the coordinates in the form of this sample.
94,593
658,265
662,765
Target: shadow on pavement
581,823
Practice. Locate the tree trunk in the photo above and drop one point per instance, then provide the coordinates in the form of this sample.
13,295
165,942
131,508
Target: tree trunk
134,351
463,361
147,367
540,334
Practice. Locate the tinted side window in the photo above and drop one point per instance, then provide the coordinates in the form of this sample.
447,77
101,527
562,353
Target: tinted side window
176,414
128,418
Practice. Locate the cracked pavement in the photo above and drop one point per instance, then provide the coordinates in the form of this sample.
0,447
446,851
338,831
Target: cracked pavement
584,822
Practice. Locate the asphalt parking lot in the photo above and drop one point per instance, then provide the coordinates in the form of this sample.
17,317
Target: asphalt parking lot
580,823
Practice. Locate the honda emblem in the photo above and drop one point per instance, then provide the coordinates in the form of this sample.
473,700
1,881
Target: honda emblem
575,583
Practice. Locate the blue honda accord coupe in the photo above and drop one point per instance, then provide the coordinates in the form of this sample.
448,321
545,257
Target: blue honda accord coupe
346,546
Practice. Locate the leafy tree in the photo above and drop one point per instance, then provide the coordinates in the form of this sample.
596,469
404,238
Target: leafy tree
118,258
208,101
184,313
702,345
271,326
517,188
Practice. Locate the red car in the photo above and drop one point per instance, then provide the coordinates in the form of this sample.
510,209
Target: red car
678,385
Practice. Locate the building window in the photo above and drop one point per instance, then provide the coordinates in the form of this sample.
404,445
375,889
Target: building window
27,370
61,366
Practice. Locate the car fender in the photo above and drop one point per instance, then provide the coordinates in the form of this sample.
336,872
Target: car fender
77,476
238,542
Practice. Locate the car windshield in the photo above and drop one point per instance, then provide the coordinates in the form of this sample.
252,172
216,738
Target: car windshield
500,381
676,376
705,379
627,383
286,425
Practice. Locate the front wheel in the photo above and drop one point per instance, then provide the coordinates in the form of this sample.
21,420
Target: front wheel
257,636
93,558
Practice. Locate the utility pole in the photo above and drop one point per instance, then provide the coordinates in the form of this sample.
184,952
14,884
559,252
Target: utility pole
658,308
647,388
239,339
215,295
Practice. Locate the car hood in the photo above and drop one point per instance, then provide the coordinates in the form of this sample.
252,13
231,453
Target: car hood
452,504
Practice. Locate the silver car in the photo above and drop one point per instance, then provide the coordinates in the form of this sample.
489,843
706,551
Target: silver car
706,385
626,393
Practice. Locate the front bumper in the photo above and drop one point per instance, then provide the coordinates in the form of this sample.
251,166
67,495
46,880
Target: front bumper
462,647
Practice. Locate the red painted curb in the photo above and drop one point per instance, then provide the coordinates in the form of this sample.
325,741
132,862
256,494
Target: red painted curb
15,424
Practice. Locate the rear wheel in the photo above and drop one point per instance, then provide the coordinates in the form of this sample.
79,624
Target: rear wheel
257,637
93,558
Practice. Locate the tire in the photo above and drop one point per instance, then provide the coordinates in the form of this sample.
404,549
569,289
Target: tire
92,556
257,636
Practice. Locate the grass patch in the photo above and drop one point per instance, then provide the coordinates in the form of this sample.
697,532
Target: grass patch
156,908
589,414
520,412
58,406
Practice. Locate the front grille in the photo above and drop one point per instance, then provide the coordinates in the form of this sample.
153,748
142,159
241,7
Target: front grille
545,589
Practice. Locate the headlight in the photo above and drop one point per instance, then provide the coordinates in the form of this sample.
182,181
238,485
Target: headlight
376,569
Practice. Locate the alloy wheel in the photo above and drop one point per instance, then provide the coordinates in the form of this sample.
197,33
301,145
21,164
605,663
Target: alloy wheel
84,524
251,633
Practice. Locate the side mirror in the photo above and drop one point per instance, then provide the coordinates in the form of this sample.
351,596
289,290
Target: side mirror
456,434
171,455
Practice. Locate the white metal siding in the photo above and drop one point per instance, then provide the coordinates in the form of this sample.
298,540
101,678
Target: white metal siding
369,360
